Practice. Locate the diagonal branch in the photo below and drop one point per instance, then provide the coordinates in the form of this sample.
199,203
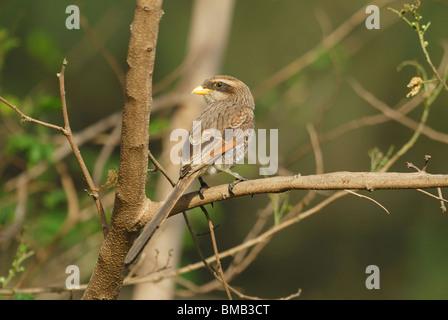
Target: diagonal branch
67,131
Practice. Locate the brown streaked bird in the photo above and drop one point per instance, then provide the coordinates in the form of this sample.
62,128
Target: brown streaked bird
217,141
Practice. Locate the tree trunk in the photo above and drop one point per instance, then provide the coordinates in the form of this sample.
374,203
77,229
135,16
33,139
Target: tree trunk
130,199
204,59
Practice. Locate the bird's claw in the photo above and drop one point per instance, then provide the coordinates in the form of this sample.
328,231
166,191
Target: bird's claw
232,184
204,185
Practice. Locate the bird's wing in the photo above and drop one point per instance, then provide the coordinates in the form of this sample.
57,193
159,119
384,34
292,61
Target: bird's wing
214,146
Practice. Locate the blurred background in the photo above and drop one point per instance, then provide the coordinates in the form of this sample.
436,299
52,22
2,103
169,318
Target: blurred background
274,46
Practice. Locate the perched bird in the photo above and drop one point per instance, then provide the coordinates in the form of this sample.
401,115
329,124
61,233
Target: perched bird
217,141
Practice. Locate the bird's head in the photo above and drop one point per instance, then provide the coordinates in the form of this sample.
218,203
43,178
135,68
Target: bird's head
225,89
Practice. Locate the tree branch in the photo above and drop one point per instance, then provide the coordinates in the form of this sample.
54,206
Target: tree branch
67,131
130,197
329,181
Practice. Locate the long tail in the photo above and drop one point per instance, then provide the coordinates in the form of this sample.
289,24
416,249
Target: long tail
161,216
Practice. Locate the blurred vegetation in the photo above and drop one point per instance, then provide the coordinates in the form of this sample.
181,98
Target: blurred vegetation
326,255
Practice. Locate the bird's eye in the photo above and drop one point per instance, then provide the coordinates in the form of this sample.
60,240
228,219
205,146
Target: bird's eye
218,85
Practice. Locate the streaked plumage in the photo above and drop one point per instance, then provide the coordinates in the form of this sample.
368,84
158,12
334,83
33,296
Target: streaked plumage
230,106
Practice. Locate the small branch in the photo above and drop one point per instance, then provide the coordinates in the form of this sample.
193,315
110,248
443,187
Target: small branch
243,246
66,130
368,198
420,29
439,190
30,119
93,191
442,201
433,196
423,45
64,150
160,168
397,117
215,250
315,143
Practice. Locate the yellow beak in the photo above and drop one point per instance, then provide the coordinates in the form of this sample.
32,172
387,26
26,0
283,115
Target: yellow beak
200,90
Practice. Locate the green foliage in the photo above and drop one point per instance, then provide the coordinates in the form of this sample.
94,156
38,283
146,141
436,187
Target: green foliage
22,254
421,29
413,9
280,206
44,48
23,296
35,149
378,159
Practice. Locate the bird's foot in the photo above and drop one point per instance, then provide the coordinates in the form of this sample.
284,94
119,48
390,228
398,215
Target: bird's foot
204,185
236,181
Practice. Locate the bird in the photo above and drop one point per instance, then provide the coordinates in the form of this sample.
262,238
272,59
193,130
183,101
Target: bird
217,141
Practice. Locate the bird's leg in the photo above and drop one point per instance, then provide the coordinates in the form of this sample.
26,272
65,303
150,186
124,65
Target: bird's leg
238,179
204,185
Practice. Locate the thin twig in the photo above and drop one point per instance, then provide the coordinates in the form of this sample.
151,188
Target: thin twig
62,151
215,250
247,244
396,116
160,168
30,119
431,195
368,198
401,110
66,130
316,147
442,203
68,133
